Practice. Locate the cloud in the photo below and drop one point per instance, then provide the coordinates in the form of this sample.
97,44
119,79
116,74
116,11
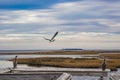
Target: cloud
6,31
77,36
83,15
92,37
87,40
25,16
29,4
82,23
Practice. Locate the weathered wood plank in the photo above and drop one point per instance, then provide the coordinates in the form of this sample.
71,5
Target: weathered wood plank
114,76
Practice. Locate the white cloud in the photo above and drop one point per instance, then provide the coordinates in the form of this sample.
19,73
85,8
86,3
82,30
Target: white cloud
45,17
81,12
6,30
70,36
87,24
87,40
109,23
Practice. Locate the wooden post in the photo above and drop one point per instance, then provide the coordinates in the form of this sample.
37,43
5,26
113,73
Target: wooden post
103,69
104,65
101,78
15,62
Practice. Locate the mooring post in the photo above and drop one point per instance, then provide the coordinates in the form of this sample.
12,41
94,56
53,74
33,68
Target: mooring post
15,62
101,78
10,70
104,65
103,69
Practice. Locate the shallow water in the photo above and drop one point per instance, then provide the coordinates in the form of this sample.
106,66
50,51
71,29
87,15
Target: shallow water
6,64
5,57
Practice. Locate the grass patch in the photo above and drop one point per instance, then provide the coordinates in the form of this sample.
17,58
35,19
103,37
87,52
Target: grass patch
112,60
110,56
69,62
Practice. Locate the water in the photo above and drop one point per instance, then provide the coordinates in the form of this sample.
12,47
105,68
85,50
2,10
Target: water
34,56
21,51
5,57
6,64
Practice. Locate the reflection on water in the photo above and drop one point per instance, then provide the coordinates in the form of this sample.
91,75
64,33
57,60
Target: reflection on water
4,57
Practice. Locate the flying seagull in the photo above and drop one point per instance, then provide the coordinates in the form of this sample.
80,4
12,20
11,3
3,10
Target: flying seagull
53,38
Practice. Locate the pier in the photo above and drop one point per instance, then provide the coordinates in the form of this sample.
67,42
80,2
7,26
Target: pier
77,73
29,76
50,74
114,76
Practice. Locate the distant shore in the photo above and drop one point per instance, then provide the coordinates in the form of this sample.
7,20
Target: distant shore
74,52
51,52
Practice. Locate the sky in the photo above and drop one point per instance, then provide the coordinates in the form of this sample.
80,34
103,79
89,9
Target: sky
86,24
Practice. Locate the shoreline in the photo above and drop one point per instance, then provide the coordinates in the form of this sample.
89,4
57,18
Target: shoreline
51,52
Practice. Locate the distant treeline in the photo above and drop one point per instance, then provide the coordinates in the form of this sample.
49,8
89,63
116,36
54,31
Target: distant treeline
73,49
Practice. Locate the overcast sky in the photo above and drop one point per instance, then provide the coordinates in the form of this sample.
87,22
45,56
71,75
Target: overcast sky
86,24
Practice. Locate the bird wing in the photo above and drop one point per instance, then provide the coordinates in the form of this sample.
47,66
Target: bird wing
46,39
54,35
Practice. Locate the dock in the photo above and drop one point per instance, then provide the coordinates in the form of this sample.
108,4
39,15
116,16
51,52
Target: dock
115,76
29,76
77,73
65,76
72,71
55,74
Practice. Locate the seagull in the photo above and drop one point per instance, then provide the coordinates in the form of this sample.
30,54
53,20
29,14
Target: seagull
53,38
